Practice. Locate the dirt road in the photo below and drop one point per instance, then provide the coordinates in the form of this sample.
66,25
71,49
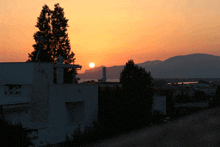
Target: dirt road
201,129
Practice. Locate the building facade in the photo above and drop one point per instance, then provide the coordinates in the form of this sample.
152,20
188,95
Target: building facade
29,96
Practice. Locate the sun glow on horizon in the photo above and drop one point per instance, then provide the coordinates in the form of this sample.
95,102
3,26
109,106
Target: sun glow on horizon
91,64
112,32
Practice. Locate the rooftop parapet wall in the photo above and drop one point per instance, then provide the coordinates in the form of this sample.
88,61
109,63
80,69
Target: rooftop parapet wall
16,73
43,69
23,73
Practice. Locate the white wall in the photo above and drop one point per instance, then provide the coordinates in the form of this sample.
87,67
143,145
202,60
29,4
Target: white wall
55,124
74,93
43,78
24,97
43,69
18,113
159,103
59,94
24,72
46,110
16,73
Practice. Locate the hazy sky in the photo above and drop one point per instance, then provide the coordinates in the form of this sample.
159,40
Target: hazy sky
112,32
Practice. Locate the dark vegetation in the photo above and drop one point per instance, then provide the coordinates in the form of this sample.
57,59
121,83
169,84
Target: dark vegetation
113,119
13,135
203,82
110,124
200,96
179,112
184,98
52,41
137,94
159,82
120,110
216,100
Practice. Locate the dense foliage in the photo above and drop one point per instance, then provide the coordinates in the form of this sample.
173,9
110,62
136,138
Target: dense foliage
216,99
203,82
13,135
121,110
184,98
137,94
52,40
159,82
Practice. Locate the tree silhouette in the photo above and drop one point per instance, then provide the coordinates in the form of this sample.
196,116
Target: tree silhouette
52,27
61,42
138,93
200,96
216,100
43,24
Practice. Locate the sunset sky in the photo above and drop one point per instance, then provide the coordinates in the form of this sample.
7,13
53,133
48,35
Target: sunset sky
112,32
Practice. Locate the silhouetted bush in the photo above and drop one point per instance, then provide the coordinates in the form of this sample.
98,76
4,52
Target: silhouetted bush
13,135
121,111
158,117
170,103
216,100
159,82
200,96
97,132
203,82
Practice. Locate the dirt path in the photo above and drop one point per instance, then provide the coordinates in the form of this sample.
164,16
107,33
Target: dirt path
201,129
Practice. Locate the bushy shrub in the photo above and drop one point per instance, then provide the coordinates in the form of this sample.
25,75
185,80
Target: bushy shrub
182,99
13,135
216,99
157,117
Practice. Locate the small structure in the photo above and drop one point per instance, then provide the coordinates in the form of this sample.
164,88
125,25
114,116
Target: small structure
103,76
29,96
159,103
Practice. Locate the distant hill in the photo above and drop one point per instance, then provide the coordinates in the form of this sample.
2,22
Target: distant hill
187,66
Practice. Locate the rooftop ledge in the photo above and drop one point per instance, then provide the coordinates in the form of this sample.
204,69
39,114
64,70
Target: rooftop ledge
66,66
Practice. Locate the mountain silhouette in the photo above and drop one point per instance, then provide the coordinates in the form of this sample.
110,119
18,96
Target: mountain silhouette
187,66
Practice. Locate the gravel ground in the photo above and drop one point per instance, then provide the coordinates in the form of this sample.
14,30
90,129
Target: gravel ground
201,129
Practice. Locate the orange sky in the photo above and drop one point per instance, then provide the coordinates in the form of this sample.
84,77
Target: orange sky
112,32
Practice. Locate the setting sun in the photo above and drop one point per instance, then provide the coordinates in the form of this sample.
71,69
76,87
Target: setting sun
91,65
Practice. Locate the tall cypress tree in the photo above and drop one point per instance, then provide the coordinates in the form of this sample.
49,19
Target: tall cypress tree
61,42
52,27
43,24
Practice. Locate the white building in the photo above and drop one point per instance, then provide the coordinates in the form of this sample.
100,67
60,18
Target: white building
28,95
159,103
